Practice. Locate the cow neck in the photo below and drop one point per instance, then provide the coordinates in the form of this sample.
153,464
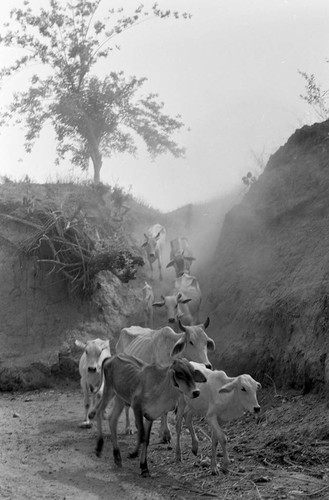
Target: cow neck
231,406
162,396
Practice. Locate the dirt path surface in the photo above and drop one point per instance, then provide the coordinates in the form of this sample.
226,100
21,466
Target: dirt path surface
45,455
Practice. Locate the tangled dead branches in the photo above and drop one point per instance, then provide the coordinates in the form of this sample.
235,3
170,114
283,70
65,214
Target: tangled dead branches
72,247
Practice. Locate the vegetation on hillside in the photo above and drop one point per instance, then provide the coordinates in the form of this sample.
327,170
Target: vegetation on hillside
68,241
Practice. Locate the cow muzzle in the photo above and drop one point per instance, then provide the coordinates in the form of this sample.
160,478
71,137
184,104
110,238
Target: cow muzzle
195,394
91,369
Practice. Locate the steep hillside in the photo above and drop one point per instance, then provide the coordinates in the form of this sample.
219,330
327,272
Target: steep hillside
269,282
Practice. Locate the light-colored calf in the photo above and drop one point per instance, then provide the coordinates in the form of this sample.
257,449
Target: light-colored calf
222,398
94,353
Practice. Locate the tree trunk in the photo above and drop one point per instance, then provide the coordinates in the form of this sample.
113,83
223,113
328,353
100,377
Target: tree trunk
97,163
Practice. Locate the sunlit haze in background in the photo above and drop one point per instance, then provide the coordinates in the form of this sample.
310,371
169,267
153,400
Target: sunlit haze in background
231,72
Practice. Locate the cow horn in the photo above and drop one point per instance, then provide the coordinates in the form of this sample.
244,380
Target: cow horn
206,323
181,326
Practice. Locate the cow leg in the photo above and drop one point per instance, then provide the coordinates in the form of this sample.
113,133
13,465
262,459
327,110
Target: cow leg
179,419
160,271
113,424
86,424
146,439
128,429
218,435
151,266
189,425
164,429
99,410
139,421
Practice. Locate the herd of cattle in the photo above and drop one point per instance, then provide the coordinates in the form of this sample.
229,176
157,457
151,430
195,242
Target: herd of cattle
154,371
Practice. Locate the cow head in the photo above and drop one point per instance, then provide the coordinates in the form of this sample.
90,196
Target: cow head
151,245
95,351
185,376
194,344
245,388
171,303
181,263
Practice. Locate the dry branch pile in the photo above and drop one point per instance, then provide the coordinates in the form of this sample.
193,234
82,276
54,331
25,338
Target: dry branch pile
72,247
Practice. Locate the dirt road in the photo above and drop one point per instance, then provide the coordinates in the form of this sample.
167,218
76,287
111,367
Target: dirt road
45,455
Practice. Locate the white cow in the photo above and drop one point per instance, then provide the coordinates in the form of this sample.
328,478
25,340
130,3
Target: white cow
148,298
155,240
160,346
184,302
180,256
90,364
221,399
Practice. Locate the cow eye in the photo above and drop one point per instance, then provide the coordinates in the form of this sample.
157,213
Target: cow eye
191,342
243,389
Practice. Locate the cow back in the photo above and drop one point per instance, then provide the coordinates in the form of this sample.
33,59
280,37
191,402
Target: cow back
151,346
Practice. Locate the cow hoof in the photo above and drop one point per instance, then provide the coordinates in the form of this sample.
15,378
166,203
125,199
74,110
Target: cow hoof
145,473
86,425
165,439
133,454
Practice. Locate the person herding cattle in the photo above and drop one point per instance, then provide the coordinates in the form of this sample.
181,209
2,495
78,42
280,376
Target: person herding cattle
221,399
94,353
181,256
155,240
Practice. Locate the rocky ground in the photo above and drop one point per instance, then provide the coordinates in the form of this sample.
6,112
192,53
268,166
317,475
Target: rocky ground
46,455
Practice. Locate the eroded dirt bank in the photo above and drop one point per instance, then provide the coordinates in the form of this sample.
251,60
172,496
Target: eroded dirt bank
45,455
269,283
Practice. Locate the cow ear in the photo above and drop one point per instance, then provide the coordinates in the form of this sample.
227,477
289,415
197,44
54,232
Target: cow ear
173,378
182,300
211,346
178,347
158,304
259,385
199,376
106,344
228,387
189,258
158,235
171,263
206,323
80,344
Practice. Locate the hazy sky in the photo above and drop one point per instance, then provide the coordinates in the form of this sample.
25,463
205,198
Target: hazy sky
231,72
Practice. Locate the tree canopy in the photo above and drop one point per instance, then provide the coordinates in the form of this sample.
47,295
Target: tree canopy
92,117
